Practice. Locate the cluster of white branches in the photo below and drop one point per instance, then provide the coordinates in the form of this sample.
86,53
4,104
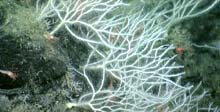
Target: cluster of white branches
132,69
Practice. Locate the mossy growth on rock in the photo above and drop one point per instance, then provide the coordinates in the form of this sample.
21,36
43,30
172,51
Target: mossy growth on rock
22,21
200,40
25,50
43,82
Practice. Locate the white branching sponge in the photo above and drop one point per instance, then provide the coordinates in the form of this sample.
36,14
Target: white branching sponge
134,72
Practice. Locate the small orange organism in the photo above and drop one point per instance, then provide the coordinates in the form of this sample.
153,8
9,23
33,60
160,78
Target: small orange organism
179,50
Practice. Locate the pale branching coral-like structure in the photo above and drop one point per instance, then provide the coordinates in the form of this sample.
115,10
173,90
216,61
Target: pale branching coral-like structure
88,16
180,10
132,69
